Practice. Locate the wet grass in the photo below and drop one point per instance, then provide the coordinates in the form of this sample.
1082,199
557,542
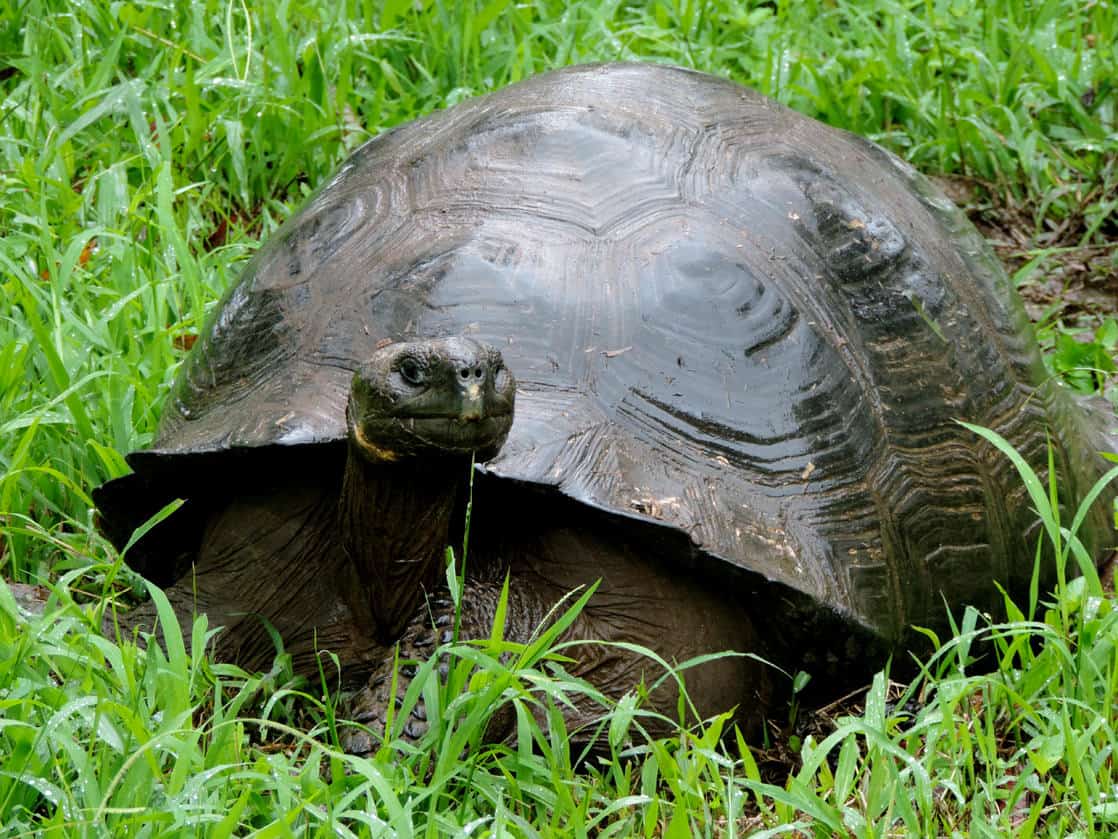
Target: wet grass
146,148
102,738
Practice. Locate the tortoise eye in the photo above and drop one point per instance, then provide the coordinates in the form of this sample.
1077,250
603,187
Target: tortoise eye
411,372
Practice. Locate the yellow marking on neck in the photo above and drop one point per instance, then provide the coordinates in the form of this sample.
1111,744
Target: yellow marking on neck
372,451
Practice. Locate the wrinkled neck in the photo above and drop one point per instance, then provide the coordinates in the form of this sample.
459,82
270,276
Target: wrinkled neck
395,521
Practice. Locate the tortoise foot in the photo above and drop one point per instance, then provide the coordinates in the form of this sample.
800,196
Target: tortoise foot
369,707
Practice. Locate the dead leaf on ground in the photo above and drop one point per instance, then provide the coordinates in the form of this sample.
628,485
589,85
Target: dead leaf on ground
184,341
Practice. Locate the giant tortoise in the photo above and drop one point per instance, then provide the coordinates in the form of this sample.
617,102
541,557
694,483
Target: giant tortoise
737,340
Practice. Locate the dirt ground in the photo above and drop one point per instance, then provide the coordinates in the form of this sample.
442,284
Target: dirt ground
1069,281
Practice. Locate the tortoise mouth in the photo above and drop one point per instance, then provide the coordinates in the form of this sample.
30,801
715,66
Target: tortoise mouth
388,439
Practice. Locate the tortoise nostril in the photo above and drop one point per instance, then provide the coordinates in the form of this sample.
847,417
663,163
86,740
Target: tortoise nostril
464,373
478,372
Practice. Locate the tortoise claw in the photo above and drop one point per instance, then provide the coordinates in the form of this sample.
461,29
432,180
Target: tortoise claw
358,742
369,706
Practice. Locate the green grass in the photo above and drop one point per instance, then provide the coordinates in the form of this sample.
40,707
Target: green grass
102,738
146,148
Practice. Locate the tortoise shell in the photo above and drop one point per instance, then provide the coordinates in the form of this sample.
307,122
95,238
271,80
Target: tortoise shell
726,319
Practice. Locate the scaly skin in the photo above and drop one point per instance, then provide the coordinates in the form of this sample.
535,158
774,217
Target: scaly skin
638,601
416,414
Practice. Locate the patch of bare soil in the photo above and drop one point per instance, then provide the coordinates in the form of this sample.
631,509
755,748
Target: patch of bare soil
1075,274
31,598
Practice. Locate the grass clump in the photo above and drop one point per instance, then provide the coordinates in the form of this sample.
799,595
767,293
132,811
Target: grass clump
102,738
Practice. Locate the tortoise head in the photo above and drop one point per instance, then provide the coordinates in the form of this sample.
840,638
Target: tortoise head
437,397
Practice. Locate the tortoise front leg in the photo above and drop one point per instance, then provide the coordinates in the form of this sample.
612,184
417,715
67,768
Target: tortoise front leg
636,602
433,625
